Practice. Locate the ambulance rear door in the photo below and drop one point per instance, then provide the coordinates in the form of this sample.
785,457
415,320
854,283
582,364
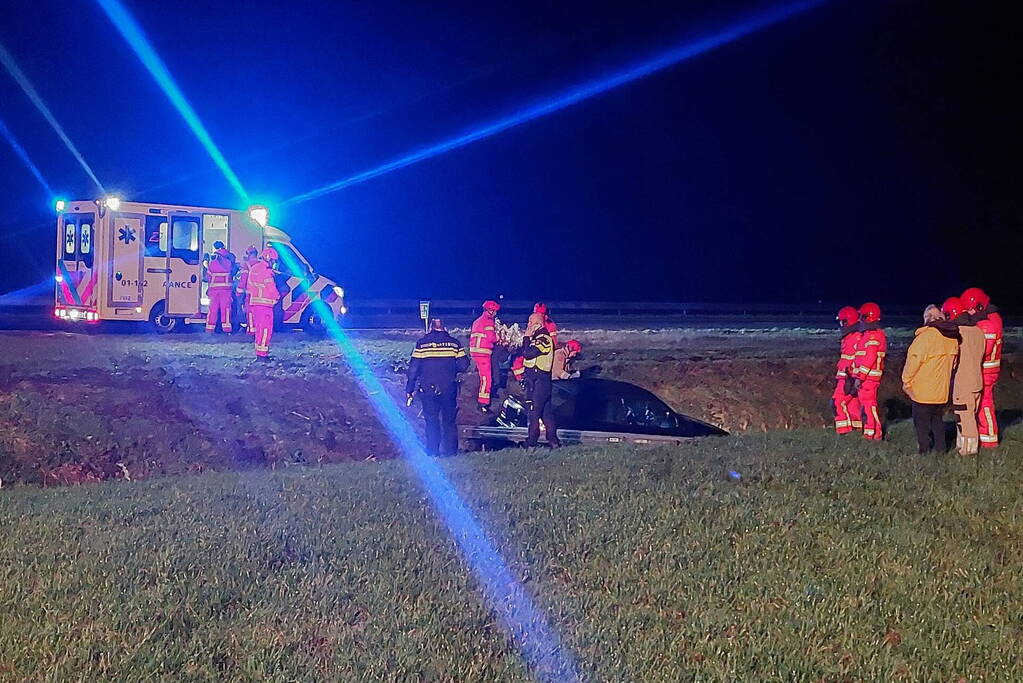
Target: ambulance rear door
76,274
125,278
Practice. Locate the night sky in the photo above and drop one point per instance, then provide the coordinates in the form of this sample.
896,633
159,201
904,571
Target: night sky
860,150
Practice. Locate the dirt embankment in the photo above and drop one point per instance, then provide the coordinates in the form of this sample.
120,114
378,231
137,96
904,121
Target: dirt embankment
77,408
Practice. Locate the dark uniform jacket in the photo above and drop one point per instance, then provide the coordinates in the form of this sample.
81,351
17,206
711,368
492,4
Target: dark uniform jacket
436,362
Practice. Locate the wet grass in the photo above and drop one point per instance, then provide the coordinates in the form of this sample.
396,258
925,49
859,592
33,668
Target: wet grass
827,559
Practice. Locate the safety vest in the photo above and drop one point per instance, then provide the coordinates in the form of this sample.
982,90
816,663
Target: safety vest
545,361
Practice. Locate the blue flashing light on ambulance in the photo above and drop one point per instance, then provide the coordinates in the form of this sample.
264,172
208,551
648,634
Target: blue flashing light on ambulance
142,262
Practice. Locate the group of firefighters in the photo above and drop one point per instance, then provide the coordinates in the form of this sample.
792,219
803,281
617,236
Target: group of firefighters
957,354
248,288
538,361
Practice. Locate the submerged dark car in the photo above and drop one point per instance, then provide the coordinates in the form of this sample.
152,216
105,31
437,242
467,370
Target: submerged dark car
591,410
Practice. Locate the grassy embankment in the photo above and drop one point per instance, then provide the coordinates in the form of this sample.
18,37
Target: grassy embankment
829,559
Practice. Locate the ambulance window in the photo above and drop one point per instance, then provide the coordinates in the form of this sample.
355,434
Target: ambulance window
185,240
69,239
85,245
290,262
156,236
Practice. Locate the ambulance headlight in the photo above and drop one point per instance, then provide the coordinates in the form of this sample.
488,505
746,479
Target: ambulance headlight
138,309
259,214
112,203
59,205
340,291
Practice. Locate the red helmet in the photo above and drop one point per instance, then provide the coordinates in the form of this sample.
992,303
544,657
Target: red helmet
953,307
870,312
269,254
847,315
974,297
573,346
540,307
491,305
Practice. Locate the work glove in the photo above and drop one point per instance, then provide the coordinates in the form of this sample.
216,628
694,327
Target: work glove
575,375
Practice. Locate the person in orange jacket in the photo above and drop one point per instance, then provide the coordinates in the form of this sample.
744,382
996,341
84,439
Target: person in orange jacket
219,273
844,400
927,377
482,340
868,368
978,305
250,258
262,295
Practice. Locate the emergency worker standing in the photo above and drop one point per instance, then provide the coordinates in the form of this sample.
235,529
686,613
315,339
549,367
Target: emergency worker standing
251,256
844,398
220,273
978,305
482,340
868,368
539,357
539,318
262,295
562,360
433,376
927,377
967,381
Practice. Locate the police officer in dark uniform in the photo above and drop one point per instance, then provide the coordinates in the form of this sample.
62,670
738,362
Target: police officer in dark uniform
433,376
539,356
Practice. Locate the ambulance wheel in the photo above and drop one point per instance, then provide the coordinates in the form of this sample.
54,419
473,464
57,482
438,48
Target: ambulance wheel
160,322
313,323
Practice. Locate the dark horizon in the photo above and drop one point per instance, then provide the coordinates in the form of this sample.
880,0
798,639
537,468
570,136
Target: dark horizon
856,151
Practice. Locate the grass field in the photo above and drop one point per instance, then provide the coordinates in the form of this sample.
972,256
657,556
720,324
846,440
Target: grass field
828,560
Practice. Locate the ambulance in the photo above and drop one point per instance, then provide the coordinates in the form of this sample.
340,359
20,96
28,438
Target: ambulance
144,263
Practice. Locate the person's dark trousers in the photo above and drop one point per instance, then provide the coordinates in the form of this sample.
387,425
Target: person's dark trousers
440,411
541,407
929,426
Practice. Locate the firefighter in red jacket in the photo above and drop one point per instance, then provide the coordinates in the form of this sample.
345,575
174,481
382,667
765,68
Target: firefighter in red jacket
482,340
261,289
844,398
868,368
219,274
251,256
978,305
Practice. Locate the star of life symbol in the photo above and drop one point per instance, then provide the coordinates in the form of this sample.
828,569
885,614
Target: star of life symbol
126,235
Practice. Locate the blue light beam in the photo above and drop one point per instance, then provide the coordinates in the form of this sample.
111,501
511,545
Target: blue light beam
132,32
523,621
26,85
23,155
681,53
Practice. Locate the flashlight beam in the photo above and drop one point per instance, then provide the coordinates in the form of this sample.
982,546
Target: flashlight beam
23,155
132,32
26,85
523,621
681,53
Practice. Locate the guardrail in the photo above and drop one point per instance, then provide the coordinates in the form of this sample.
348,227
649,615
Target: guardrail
619,308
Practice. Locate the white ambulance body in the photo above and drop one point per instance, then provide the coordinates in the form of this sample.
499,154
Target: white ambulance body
133,261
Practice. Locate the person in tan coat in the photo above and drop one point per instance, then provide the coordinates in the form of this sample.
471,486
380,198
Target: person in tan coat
927,377
563,360
968,380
